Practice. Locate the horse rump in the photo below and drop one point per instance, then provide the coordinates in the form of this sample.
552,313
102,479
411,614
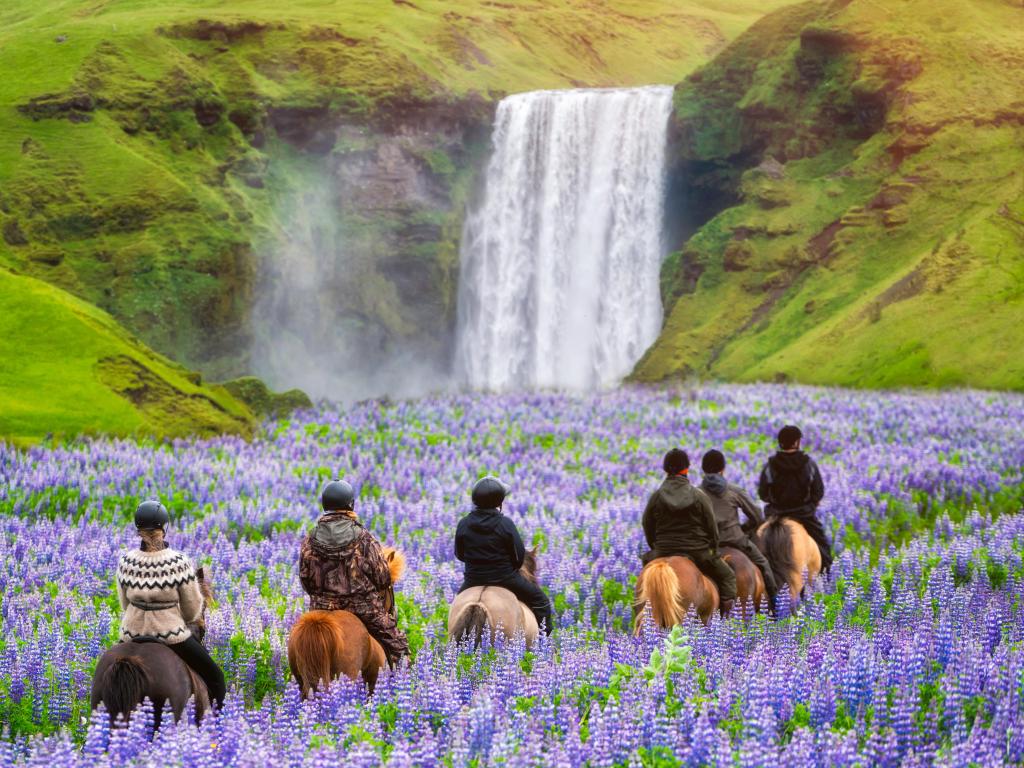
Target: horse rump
122,686
474,619
313,645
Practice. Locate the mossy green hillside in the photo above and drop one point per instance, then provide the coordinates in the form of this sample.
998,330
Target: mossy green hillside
137,135
69,368
876,158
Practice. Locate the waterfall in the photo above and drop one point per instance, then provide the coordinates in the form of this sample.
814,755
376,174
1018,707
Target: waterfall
560,263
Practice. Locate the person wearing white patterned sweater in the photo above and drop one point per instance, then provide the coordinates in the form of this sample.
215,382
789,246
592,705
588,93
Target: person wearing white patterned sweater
160,596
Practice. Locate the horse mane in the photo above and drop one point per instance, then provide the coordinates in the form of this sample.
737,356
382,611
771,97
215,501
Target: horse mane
660,588
529,566
776,542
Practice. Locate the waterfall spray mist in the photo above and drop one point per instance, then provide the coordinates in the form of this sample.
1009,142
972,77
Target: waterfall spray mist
560,263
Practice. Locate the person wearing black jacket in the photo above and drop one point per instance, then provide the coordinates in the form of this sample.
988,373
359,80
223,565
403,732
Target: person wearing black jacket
791,486
679,520
492,549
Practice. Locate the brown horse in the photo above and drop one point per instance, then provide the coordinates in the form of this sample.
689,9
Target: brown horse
790,551
750,591
479,608
325,644
672,585
130,672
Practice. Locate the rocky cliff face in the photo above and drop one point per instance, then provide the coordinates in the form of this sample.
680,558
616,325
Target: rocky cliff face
360,283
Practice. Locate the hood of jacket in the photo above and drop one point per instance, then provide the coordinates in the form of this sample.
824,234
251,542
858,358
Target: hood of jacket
335,531
791,463
678,492
714,484
484,520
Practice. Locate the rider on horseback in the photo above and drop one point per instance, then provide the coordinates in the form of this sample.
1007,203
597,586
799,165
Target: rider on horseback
342,568
726,500
679,520
492,549
791,485
159,593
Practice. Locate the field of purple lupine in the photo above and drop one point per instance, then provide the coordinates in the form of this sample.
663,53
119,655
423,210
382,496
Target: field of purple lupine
911,654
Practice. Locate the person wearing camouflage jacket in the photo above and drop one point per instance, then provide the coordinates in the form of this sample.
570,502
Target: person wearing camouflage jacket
342,568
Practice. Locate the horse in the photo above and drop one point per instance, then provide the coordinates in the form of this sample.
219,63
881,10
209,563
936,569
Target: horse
129,672
477,608
323,645
672,585
750,589
790,551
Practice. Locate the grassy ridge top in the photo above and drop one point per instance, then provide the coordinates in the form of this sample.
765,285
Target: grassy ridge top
69,368
878,236
374,46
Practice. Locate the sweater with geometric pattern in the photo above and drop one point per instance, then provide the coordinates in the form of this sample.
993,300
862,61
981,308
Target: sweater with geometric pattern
159,594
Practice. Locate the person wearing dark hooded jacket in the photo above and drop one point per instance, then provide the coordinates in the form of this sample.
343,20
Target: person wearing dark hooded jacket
679,520
726,500
791,486
342,568
489,544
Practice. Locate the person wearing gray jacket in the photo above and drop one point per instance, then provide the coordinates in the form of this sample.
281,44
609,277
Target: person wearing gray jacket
726,501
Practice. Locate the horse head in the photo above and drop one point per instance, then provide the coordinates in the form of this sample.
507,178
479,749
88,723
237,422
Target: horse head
396,563
529,567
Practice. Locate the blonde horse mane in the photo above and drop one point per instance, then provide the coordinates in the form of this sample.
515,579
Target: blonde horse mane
660,588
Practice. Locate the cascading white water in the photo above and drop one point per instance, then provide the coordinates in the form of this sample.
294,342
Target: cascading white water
560,263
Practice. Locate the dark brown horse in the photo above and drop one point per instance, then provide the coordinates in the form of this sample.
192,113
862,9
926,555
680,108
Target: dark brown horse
479,608
325,644
130,672
750,591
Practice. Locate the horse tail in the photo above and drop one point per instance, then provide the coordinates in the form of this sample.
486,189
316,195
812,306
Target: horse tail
661,590
314,644
475,619
124,686
777,545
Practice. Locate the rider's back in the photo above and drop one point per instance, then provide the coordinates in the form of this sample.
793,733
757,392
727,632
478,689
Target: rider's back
159,593
489,544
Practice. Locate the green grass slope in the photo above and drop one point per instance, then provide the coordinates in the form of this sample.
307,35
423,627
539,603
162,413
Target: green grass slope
876,152
135,136
69,368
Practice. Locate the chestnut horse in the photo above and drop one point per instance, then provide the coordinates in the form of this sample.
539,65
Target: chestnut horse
790,551
325,644
130,672
478,608
750,590
672,585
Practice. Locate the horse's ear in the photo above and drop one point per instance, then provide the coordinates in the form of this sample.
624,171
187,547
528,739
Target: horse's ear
390,555
534,551
201,573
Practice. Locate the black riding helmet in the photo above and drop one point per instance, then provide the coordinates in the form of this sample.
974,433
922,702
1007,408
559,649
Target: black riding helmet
489,492
338,495
151,514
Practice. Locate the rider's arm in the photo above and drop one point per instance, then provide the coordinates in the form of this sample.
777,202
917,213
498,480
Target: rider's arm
764,488
749,506
649,522
190,597
460,544
373,563
817,484
122,598
710,523
517,552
